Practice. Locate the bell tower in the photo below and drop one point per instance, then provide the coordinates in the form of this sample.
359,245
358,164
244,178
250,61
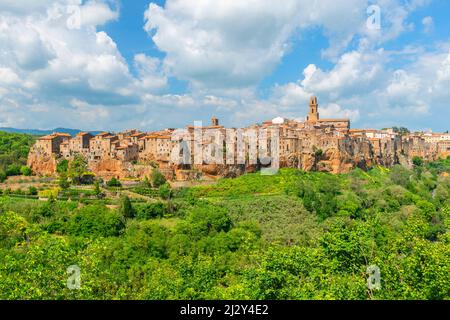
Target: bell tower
313,115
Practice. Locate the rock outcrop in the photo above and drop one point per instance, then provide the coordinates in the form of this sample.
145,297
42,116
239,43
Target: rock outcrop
327,145
43,164
320,151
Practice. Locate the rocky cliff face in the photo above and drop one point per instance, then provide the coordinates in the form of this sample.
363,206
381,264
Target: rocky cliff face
108,168
43,164
320,151
345,154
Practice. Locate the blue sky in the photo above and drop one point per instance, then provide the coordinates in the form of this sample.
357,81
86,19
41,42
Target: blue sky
111,64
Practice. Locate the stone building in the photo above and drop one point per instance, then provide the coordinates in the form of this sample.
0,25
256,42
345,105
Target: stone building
315,144
314,118
102,146
81,142
51,144
77,145
156,147
127,153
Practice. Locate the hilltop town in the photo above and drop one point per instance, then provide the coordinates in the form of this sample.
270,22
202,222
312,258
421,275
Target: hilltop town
328,145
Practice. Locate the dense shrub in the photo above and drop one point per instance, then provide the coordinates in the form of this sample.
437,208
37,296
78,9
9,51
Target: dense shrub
3,176
206,219
25,171
62,166
14,149
320,196
113,183
126,208
157,178
95,221
165,191
400,175
13,170
417,161
150,211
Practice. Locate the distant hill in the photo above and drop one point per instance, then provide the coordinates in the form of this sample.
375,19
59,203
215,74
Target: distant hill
37,132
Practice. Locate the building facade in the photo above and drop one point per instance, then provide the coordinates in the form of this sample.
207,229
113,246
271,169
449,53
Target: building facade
315,144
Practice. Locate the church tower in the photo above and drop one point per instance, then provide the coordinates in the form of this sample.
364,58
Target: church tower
313,115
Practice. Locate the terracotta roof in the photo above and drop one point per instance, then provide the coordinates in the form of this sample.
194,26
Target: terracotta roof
110,137
80,134
59,134
138,134
48,137
333,120
54,136
157,136
103,134
151,136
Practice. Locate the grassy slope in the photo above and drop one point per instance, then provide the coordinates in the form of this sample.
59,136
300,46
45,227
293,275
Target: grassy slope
293,235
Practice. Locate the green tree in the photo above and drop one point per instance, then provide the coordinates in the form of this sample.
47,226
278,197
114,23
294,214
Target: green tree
318,153
400,175
13,170
95,221
3,176
165,191
12,228
401,131
77,169
32,191
46,210
63,181
62,166
114,183
14,149
320,196
25,171
150,211
417,161
97,191
126,208
147,182
157,178
206,219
